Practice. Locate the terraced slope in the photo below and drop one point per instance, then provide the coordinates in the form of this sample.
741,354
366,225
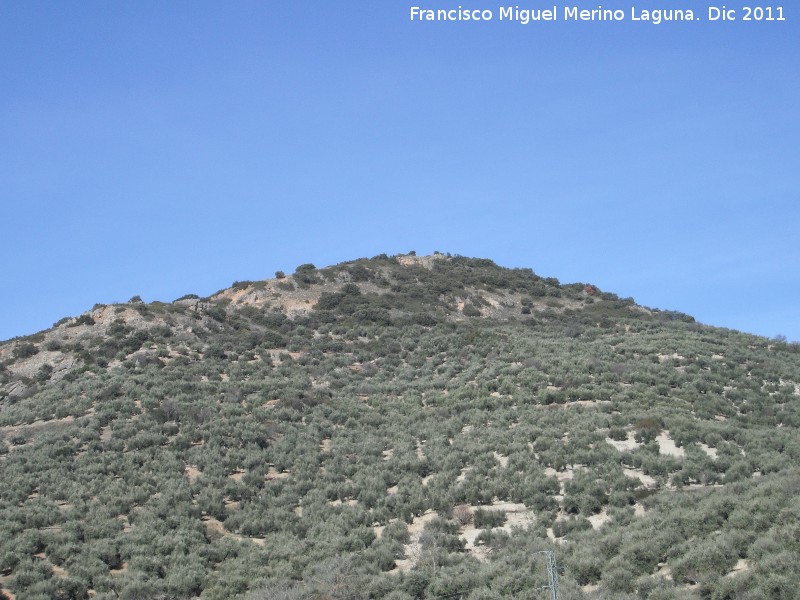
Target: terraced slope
398,427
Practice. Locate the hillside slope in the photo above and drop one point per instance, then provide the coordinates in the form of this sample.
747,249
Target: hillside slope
398,427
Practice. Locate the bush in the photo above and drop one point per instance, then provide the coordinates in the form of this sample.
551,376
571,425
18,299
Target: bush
306,275
487,519
471,311
83,320
462,513
25,350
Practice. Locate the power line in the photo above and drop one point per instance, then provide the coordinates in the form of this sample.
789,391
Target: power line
552,573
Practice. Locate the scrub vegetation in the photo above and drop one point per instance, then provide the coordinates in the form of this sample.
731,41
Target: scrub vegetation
397,428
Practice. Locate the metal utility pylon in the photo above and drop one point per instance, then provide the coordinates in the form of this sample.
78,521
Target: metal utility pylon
552,573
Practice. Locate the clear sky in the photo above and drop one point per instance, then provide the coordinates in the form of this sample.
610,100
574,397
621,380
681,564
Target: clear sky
165,148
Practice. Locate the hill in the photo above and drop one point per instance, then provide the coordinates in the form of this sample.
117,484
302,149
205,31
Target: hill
398,427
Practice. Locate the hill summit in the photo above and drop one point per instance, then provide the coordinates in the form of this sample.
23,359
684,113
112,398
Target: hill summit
400,290
395,428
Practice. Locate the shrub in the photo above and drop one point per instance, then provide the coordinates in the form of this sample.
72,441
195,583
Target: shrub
462,513
25,350
618,434
487,519
471,311
82,320
217,313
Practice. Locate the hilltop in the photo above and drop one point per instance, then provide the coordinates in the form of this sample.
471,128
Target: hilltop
403,290
397,427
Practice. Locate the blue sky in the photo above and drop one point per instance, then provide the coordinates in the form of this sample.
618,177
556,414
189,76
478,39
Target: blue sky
165,148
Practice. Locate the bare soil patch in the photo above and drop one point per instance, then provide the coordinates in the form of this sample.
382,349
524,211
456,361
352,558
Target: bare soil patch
273,473
192,473
646,480
667,447
599,519
625,445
